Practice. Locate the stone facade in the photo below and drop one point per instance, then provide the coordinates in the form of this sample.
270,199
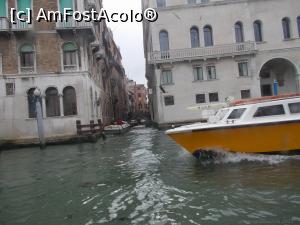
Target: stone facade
65,61
206,51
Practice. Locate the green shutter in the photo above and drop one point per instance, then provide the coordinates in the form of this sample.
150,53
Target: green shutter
24,4
3,8
27,48
69,47
65,4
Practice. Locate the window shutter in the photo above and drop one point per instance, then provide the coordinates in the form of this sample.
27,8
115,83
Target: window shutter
3,8
65,4
24,4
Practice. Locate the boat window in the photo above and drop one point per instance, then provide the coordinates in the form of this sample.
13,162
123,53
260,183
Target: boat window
294,107
236,114
272,110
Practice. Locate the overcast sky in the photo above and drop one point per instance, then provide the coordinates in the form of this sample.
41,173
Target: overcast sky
129,37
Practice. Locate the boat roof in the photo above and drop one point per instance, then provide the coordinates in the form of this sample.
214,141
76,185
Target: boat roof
264,99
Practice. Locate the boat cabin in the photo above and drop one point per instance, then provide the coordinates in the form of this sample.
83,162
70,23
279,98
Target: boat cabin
260,111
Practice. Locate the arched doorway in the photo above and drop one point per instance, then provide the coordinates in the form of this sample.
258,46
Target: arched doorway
282,70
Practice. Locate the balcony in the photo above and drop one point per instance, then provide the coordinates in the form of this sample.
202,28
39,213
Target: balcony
203,53
72,25
21,26
27,69
4,24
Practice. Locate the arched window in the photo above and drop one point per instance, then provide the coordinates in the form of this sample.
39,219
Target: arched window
194,32
258,31
70,57
161,3
298,23
27,58
31,101
208,36
69,101
164,40
286,28
52,102
239,32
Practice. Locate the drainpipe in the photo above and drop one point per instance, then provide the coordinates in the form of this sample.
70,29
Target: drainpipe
275,87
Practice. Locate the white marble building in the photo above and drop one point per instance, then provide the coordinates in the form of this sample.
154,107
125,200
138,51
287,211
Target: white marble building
202,51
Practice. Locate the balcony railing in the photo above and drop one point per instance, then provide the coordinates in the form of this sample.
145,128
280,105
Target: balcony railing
72,24
28,69
217,51
4,24
21,26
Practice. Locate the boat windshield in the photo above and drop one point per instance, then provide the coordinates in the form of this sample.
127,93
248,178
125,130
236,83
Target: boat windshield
221,114
236,114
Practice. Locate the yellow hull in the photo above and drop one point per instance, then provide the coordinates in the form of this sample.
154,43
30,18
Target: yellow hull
265,138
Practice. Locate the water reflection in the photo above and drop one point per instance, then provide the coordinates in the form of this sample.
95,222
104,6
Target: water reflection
144,178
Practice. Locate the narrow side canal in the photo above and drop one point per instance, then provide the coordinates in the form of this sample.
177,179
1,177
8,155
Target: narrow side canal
144,178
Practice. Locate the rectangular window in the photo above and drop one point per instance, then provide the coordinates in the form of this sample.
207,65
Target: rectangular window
70,61
294,107
192,1
27,62
10,88
200,98
213,97
161,3
166,77
243,69
169,100
245,94
272,110
211,72
198,73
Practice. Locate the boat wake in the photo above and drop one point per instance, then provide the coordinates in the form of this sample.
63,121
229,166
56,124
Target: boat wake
222,157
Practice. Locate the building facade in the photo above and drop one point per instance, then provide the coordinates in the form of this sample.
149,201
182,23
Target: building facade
114,82
138,100
201,52
141,100
66,61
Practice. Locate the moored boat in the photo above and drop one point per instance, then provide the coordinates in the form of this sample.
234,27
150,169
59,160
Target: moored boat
117,129
262,125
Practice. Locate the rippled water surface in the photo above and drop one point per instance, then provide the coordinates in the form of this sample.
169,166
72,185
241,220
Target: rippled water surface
145,178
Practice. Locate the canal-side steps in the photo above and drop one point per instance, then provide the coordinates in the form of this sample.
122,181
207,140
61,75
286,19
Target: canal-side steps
85,133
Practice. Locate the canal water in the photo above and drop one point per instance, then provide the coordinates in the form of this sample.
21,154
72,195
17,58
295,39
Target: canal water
144,178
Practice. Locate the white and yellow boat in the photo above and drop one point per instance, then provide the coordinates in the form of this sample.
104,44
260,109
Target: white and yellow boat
262,125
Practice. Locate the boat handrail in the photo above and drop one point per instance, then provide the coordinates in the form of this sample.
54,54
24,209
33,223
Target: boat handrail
263,99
